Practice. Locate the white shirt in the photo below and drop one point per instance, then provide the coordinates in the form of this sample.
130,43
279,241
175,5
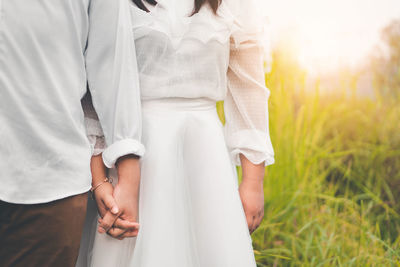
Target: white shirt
219,57
49,51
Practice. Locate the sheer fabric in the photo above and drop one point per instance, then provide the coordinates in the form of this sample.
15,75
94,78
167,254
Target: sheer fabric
186,64
94,131
219,57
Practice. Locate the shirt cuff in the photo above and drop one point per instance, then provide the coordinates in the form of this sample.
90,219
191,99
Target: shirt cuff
253,144
122,148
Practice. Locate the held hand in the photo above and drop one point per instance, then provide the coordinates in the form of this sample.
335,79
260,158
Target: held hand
252,196
126,195
105,201
127,202
108,209
103,193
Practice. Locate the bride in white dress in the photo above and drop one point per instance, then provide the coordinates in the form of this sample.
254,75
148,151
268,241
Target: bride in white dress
192,212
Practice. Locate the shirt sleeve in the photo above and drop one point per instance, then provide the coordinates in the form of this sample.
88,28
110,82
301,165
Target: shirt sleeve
246,106
94,131
113,78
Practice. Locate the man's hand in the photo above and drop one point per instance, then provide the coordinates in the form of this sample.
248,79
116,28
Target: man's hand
103,194
126,194
109,211
252,192
105,201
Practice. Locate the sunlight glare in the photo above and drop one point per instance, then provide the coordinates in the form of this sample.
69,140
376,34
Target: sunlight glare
328,34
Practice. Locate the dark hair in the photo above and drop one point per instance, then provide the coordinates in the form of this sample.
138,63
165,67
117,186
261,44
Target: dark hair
198,4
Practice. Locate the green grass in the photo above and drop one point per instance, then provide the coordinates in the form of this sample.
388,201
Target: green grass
333,196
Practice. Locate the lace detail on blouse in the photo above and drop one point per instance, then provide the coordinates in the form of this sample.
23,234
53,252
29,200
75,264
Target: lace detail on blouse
219,57
246,106
94,131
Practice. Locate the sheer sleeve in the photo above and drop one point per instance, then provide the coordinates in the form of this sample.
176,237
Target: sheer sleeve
113,78
94,131
246,105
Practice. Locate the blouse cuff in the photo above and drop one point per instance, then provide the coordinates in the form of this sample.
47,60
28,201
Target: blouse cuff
122,148
254,157
255,145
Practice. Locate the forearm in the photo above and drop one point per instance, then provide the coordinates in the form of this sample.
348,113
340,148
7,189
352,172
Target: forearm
113,78
252,192
128,168
98,169
253,173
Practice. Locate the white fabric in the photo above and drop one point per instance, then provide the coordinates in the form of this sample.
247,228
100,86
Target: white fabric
246,106
94,131
190,212
189,209
49,51
189,56
218,57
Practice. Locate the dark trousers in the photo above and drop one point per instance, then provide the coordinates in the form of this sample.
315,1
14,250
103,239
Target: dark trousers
42,234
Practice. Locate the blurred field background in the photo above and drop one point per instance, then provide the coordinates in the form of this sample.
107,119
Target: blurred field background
333,196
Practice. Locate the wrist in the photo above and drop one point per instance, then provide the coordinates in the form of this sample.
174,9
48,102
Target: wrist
98,169
96,185
128,169
128,183
98,179
253,183
252,173
253,180
99,190
126,160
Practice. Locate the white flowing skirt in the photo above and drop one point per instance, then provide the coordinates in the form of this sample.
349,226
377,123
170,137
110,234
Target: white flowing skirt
190,212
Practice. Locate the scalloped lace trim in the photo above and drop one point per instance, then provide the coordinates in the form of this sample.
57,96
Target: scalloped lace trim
203,26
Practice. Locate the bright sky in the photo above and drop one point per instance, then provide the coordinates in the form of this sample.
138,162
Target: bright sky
330,33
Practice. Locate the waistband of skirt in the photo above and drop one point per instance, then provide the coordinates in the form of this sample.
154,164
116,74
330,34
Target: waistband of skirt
179,103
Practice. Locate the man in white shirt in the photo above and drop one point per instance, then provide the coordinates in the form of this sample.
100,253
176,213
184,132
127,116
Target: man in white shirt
49,52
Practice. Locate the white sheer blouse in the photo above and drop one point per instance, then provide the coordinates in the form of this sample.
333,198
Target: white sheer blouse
219,57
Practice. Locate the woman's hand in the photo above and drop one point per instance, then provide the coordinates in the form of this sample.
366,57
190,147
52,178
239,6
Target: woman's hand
126,194
129,212
252,195
112,219
252,192
106,203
